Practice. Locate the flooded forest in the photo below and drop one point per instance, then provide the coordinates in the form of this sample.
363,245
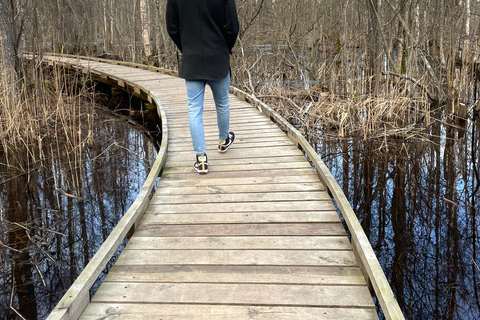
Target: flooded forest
385,90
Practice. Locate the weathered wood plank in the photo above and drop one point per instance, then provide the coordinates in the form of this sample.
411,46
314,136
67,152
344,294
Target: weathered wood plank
209,181
178,114
241,188
235,294
152,218
242,167
240,243
244,207
212,122
239,132
235,152
241,197
266,135
266,139
239,257
215,174
187,161
136,311
280,229
336,275
187,145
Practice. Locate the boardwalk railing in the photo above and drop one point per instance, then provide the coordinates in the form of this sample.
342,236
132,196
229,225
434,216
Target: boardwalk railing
77,297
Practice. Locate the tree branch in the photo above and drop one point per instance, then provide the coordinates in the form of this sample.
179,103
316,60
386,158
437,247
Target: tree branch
415,82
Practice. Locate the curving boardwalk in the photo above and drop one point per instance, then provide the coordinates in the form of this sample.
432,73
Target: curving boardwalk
258,237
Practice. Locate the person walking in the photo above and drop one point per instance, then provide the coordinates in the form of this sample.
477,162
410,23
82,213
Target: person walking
205,32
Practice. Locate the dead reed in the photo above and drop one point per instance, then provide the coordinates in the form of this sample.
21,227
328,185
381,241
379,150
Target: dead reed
383,117
45,115
329,90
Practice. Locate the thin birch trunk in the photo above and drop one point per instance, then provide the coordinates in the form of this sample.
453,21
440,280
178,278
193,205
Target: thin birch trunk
144,18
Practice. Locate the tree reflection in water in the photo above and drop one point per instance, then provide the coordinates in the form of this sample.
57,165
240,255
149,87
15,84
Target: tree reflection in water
54,219
418,204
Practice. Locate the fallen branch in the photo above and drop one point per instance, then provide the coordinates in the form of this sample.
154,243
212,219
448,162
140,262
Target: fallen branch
299,109
8,247
415,82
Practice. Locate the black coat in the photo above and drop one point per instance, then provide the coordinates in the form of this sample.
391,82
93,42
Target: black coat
205,32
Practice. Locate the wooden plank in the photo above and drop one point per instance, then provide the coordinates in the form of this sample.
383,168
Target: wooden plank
136,311
253,137
214,174
235,152
271,135
213,145
175,96
176,103
210,114
237,243
228,230
185,170
235,294
187,161
337,275
212,121
290,206
240,197
242,188
239,132
209,181
245,166
240,217
239,257
259,126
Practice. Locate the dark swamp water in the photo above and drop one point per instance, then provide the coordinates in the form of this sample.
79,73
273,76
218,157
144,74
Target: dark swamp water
67,211
418,204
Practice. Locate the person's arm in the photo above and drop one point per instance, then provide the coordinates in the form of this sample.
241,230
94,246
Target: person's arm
173,23
231,27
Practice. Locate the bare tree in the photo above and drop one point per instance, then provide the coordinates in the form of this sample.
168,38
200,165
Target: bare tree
145,21
7,62
108,24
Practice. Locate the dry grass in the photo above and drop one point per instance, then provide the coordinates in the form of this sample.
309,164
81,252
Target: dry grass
363,117
401,111
44,116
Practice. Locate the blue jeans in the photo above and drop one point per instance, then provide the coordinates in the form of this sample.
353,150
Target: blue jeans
195,94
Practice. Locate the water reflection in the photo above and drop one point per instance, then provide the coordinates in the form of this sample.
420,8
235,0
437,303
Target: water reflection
418,205
54,217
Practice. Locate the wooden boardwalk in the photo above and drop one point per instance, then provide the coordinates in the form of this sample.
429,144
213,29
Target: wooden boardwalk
258,237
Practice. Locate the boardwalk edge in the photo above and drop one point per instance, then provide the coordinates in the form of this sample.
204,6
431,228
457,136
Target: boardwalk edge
77,297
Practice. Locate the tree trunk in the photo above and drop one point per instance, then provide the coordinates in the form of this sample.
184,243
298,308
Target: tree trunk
400,66
7,62
107,25
144,17
374,58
